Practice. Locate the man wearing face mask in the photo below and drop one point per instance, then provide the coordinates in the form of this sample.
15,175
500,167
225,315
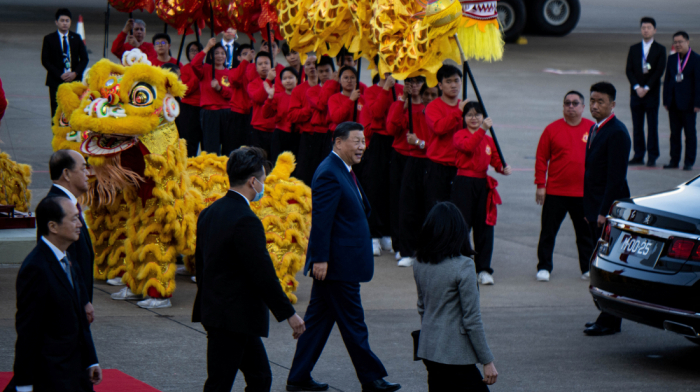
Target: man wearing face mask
236,281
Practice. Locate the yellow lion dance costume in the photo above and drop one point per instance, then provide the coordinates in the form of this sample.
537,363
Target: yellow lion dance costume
14,183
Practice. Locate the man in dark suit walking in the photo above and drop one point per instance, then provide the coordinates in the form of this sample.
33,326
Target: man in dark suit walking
339,257
54,349
646,63
236,281
68,172
682,100
64,56
605,178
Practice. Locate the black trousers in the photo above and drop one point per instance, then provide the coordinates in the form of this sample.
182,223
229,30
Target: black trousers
412,205
683,122
283,141
604,319
470,195
376,175
237,133
263,140
438,183
189,127
645,107
553,213
335,302
311,147
443,377
228,352
398,164
52,100
215,123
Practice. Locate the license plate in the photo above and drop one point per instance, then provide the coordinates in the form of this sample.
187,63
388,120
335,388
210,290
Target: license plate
635,248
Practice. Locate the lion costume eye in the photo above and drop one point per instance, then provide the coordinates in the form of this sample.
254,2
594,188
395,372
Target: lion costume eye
143,94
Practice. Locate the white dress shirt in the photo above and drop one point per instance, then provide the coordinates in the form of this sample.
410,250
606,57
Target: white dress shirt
60,39
646,46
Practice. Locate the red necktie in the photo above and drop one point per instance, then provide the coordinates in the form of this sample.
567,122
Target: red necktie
354,177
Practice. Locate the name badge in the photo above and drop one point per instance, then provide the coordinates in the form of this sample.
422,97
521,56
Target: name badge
679,77
646,68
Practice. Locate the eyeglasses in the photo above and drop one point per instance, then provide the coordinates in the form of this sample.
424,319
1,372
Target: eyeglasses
572,103
162,43
477,115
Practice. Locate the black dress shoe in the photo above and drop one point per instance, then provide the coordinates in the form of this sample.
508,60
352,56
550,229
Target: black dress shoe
671,166
590,324
651,163
310,385
636,161
597,330
687,168
380,386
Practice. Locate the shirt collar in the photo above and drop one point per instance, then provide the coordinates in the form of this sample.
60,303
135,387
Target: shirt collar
600,124
61,34
223,42
648,43
70,195
57,252
341,159
244,198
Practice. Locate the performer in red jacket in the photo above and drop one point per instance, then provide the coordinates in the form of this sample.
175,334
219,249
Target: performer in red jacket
240,100
284,138
190,127
473,191
559,169
127,40
257,90
341,106
215,95
161,44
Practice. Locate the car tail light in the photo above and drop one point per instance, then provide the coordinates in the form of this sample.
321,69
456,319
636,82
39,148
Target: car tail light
606,232
696,255
681,248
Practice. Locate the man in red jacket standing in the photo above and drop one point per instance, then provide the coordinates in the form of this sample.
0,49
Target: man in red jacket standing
561,158
132,36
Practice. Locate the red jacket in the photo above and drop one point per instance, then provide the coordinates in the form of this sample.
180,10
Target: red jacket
378,101
443,121
278,108
211,99
192,96
258,96
318,97
397,125
563,147
341,109
240,100
475,152
299,109
251,72
119,46
157,63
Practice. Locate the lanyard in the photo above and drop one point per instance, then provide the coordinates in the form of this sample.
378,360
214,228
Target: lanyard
645,56
687,56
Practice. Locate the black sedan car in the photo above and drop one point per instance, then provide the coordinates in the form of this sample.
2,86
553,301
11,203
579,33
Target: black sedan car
646,267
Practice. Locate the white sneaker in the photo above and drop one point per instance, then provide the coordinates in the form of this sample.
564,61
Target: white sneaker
376,248
586,276
406,262
386,244
125,294
181,270
485,278
543,276
194,279
115,281
154,303
397,256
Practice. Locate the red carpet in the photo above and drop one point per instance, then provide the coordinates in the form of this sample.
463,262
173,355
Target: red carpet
113,380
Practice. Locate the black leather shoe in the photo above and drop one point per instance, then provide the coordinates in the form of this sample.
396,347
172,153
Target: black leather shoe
380,386
671,166
590,324
636,161
310,385
651,163
687,168
597,330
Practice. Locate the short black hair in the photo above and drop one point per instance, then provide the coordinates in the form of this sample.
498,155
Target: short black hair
648,19
263,54
325,60
444,234
174,68
49,210
472,105
63,12
286,50
244,163
574,92
376,78
605,88
59,161
343,130
342,54
191,44
158,36
210,54
264,42
682,34
241,48
289,69
346,68
448,71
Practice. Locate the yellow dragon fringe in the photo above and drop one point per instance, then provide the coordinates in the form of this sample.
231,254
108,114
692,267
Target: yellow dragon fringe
14,183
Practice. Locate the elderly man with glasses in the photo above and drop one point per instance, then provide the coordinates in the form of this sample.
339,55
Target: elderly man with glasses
559,169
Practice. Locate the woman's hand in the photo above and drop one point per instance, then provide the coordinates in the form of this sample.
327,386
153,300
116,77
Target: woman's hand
271,74
412,139
487,124
336,77
210,44
355,95
507,170
389,83
270,90
490,374
462,104
215,85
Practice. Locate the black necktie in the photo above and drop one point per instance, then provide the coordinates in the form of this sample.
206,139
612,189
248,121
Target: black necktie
65,46
66,55
65,264
594,132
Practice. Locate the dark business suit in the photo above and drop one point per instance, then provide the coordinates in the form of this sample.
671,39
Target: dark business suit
340,236
649,105
237,284
54,345
81,251
681,98
52,60
604,181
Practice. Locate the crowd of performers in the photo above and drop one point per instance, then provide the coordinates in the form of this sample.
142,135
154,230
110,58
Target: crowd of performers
424,145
